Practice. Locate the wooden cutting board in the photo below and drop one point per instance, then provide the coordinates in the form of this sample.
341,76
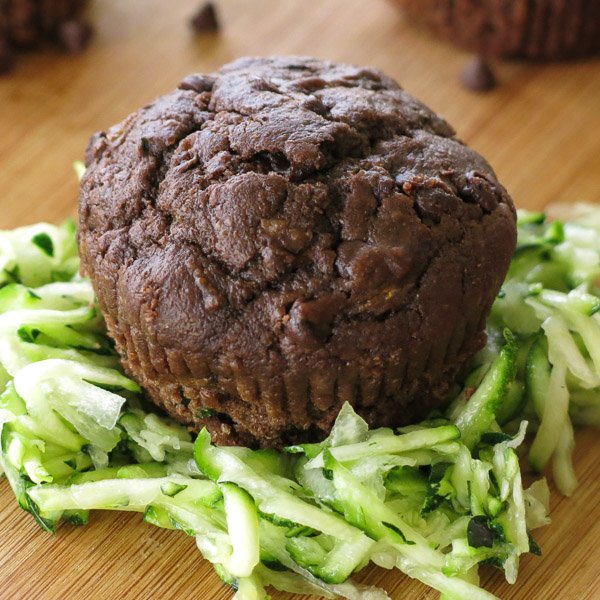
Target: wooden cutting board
540,130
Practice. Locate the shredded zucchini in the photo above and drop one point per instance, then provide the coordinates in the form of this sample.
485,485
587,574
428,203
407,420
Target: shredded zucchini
434,500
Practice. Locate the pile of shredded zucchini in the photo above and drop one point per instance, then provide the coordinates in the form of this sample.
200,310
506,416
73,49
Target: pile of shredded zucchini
434,500
550,300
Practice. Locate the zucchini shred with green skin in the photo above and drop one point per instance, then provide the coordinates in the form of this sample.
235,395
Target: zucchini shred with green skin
434,500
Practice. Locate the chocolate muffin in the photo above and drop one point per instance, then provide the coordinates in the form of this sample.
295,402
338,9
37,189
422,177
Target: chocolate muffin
26,24
534,29
283,235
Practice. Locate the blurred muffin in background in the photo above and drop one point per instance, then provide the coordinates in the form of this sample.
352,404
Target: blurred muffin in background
29,24
531,29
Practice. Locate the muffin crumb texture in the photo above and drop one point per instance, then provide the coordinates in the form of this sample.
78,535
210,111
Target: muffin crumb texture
273,239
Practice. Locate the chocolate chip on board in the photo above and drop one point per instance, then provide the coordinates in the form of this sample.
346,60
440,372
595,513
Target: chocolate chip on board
205,18
477,76
74,36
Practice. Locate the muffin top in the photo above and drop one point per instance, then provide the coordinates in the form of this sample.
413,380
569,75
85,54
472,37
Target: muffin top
287,213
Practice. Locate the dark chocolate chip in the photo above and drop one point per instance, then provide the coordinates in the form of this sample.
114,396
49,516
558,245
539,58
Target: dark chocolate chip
478,190
197,83
74,36
144,146
478,76
205,19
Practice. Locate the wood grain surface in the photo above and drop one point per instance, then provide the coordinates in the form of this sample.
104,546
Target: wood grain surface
540,130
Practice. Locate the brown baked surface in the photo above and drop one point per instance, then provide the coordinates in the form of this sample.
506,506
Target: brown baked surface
271,240
534,29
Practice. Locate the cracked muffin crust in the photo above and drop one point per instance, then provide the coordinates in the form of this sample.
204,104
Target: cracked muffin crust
271,240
